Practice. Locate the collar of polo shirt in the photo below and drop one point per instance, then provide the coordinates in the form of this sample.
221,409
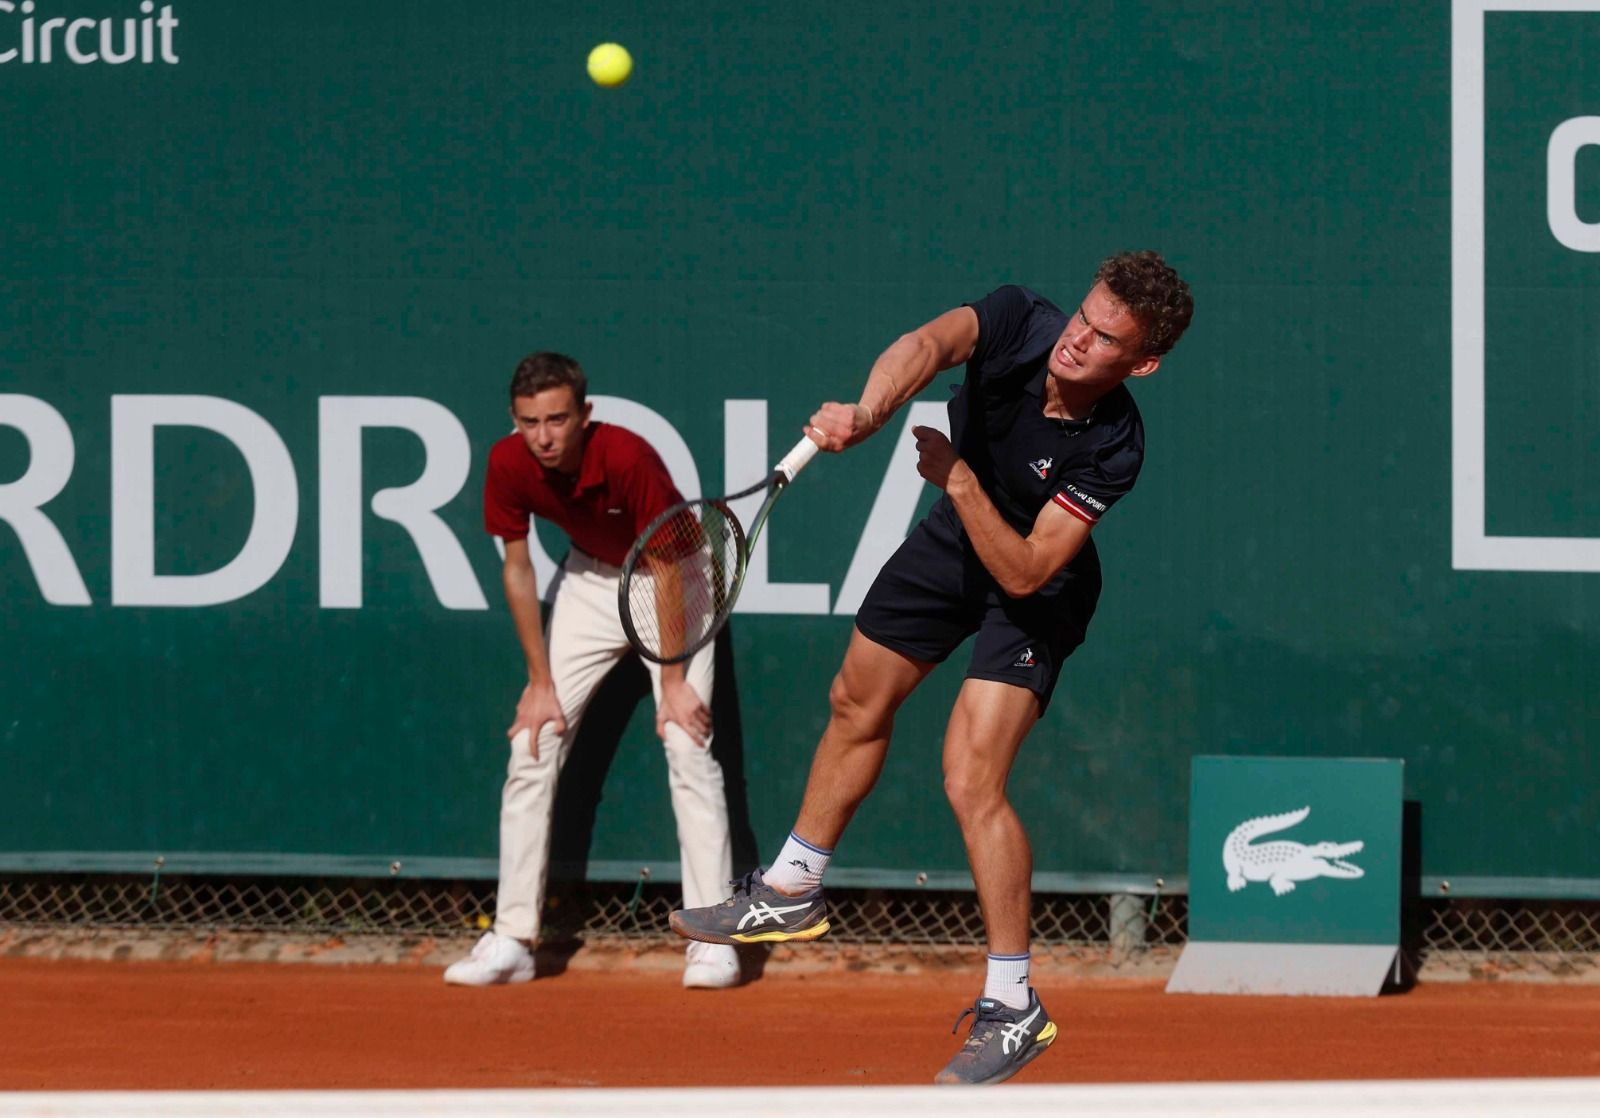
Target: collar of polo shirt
1035,388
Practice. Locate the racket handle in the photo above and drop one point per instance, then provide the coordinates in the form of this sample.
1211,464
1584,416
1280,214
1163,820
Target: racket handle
795,461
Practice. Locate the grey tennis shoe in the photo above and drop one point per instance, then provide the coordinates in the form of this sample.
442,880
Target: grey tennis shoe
756,913
1003,1041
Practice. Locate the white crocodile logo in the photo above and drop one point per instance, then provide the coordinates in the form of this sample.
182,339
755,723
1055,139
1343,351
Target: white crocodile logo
1281,864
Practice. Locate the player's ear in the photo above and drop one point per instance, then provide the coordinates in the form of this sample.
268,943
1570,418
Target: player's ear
588,412
1146,366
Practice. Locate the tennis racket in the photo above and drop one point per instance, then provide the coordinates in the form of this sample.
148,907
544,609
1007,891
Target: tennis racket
684,572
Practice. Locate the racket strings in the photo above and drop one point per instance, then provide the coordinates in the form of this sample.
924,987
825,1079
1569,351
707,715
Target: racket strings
683,580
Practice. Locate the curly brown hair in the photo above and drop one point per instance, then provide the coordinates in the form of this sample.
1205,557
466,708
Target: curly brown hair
539,371
1153,293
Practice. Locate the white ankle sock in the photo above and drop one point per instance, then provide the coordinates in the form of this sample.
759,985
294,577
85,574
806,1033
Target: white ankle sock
1007,980
799,867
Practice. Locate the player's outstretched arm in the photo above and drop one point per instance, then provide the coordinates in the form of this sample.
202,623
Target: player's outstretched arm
900,372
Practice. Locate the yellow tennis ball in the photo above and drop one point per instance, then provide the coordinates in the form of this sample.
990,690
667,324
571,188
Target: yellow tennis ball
610,64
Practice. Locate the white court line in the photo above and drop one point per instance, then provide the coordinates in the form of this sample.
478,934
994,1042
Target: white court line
1444,1098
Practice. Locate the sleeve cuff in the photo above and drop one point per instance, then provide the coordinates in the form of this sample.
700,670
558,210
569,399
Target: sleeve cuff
1081,513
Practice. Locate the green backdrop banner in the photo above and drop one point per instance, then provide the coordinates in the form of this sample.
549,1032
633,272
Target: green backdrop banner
265,271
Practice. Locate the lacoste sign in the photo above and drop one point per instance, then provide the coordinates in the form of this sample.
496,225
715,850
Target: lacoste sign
1282,863
1307,900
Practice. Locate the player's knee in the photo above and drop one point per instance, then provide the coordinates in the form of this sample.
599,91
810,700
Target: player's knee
851,704
971,797
958,790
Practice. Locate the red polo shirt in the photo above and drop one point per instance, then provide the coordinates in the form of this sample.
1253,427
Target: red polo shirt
621,486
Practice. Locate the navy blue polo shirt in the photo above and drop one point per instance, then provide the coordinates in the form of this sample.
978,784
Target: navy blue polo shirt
1023,458
934,592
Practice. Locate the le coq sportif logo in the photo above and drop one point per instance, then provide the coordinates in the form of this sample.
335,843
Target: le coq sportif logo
45,33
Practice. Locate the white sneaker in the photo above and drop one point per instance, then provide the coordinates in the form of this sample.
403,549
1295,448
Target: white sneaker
496,960
710,966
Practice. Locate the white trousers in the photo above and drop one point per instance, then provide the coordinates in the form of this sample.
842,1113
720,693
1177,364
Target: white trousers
585,641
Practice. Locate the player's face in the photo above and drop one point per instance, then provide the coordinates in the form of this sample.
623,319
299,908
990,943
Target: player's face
1101,345
552,424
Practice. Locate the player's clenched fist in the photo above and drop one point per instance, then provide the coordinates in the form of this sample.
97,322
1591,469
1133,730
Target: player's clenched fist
936,458
836,427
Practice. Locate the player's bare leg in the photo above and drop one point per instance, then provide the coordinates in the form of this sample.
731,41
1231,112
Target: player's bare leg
871,685
1009,1026
869,688
986,727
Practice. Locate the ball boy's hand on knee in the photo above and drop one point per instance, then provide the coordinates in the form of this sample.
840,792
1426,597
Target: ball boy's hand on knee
680,704
536,709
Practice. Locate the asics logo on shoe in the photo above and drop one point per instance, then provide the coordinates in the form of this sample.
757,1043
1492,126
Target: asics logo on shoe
762,912
1012,1036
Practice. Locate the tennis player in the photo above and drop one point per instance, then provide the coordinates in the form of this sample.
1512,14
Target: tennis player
1045,439
601,484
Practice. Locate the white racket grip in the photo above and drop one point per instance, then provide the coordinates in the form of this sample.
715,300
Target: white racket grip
795,461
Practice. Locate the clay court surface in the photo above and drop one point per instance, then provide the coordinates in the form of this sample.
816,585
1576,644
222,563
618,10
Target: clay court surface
75,1025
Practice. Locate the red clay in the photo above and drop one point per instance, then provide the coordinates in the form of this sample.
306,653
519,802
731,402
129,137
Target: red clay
85,1025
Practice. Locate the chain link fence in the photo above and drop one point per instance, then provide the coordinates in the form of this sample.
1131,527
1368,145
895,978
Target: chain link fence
1543,939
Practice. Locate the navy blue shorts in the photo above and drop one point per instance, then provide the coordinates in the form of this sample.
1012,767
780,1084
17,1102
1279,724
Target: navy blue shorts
933,593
